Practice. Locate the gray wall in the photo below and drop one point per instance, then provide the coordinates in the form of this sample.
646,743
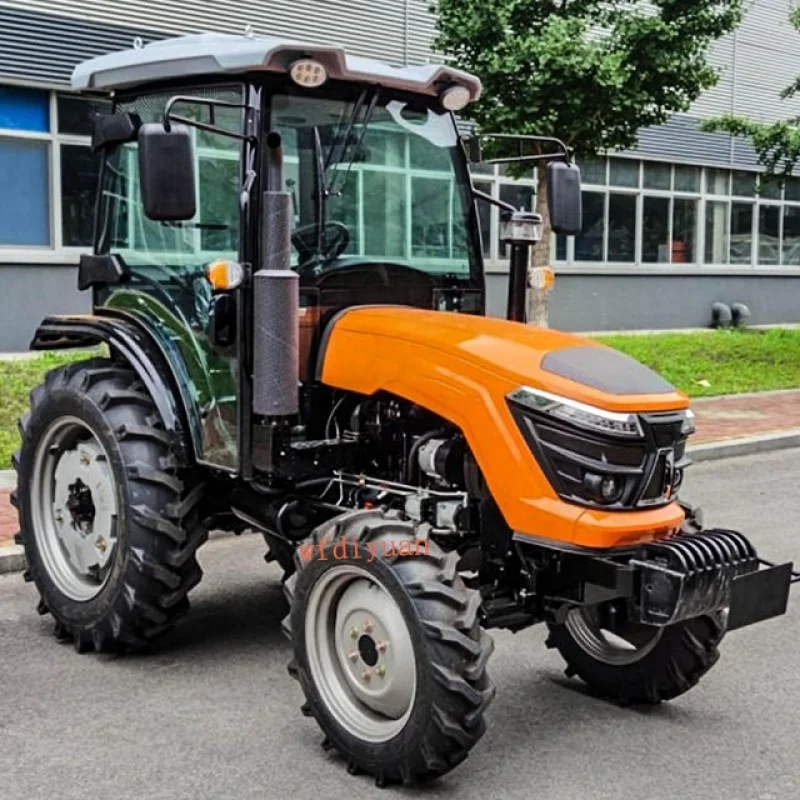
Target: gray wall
30,293
594,302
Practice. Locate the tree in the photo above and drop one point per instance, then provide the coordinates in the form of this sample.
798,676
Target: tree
590,72
777,144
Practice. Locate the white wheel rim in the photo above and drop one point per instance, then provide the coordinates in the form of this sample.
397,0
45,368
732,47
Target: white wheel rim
360,653
625,645
73,503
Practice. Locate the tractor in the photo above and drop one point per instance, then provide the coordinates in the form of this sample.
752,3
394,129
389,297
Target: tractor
288,291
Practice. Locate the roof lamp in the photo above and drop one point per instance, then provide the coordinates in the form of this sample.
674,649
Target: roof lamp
455,98
308,73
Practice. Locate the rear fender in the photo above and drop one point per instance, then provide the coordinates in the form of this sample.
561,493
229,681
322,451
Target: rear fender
155,360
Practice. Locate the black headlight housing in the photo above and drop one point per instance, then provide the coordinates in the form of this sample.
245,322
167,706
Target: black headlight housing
617,462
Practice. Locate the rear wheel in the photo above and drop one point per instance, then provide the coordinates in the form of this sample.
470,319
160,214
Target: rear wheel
108,518
635,663
388,648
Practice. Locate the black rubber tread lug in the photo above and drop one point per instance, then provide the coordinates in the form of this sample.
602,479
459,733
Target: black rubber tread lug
141,607
145,565
453,682
447,633
132,430
13,498
116,397
22,423
475,717
436,591
27,576
19,538
467,620
190,500
41,608
450,727
476,670
147,518
191,579
149,474
82,641
179,558
449,570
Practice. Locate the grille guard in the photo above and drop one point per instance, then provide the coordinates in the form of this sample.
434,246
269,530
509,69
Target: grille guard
707,571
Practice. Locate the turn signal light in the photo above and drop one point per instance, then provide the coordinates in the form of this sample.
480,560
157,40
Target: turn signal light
224,275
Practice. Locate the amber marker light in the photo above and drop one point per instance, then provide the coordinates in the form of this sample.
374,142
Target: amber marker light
223,274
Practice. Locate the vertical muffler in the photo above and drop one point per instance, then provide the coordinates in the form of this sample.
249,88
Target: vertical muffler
276,300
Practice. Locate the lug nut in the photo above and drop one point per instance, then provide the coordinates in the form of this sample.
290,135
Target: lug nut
366,676
85,458
353,656
381,670
369,626
354,633
100,544
381,646
58,517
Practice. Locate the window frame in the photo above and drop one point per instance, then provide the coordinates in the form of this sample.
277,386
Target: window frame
55,253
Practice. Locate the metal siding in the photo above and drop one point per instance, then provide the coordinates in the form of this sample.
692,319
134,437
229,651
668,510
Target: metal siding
374,28
42,48
30,294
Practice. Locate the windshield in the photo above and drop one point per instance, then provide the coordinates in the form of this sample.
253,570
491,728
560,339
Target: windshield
373,181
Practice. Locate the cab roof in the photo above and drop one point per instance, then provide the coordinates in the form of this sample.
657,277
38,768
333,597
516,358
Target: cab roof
229,54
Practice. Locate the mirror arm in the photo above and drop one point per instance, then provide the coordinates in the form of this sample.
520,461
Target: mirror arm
478,195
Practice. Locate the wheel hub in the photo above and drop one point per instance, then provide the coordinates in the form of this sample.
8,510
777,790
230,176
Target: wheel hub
360,653
73,500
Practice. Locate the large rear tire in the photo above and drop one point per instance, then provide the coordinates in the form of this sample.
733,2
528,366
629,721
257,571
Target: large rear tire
637,664
108,515
388,650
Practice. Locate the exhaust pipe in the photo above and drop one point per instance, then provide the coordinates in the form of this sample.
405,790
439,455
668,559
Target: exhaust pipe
276,300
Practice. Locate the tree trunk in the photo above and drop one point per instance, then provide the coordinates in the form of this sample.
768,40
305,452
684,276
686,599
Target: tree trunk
540,257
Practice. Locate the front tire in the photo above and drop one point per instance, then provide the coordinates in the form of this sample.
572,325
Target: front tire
637,664
108,516
389,651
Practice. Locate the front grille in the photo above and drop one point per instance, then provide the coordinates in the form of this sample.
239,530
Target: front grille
648,468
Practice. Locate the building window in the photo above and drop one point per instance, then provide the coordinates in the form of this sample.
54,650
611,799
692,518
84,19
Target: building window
49,173
658,214
25,167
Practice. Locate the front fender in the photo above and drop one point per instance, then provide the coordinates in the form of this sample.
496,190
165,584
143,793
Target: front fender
160,370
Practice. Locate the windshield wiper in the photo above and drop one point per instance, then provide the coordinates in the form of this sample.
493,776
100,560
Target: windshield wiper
370,110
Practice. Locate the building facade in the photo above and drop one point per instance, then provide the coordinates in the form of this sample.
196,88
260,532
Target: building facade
669,228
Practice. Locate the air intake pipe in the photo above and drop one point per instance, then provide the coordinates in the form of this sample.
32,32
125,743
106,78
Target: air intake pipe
275,300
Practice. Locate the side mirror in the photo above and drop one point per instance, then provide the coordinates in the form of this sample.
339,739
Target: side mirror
564,198
167,172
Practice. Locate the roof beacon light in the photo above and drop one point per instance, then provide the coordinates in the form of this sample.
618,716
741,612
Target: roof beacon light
308,73
455,98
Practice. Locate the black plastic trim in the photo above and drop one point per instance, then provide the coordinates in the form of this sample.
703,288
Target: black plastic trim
141,350
105,270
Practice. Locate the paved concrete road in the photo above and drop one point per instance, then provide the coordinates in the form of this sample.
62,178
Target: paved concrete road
214,714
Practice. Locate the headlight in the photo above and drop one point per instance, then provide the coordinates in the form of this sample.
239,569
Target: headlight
688,427
583,416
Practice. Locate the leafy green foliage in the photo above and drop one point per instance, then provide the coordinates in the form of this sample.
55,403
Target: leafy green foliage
777,144
729,361
17,378
591,72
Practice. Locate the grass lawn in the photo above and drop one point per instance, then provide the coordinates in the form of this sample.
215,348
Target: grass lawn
17,378
728,361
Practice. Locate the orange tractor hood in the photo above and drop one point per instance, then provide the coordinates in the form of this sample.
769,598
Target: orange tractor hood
514,354
462,367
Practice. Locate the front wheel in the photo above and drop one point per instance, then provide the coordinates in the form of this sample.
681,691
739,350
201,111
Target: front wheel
634,663
387,647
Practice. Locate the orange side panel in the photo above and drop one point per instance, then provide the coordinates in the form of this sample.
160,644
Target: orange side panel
462,367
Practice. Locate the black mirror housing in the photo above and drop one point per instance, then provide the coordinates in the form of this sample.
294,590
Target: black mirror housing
564,198
167,172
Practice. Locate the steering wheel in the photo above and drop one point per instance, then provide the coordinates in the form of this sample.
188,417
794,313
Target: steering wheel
335,238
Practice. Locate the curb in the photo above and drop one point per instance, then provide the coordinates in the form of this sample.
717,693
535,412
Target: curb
12,559
748,445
